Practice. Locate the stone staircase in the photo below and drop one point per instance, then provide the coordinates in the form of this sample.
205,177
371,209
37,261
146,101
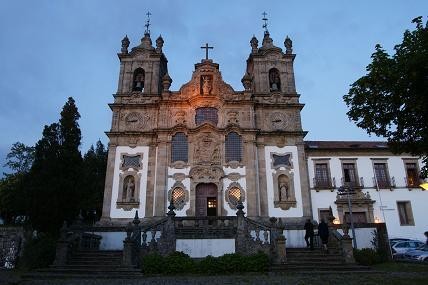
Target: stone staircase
304,259
88,264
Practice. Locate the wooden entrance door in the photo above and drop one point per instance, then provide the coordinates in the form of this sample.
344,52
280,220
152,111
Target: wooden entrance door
206,200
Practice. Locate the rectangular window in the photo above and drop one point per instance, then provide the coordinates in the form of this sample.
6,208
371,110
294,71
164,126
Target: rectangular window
322,177
350,175
405,214
382,176
412,177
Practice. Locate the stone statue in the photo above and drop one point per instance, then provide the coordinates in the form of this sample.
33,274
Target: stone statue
283,188
130,189
206,85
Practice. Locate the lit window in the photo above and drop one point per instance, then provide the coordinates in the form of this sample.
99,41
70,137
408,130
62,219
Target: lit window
233,147
234,196
412,174
207,114
178,198
179,147
212,203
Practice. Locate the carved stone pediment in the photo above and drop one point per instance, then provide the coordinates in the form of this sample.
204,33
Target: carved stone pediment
206,174
207,149
285,205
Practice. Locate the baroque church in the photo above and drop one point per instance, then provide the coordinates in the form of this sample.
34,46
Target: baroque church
206,147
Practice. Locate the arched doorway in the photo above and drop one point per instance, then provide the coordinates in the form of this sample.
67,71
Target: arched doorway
206,200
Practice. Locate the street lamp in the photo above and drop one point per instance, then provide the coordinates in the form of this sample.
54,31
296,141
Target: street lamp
348,191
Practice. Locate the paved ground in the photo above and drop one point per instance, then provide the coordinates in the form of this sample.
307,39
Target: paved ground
312,278
288,279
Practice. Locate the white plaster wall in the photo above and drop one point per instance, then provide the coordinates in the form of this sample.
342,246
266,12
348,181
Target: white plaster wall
295,238
385,199
227,182
111,240
120,150
197,248
364,237
277,212
186,183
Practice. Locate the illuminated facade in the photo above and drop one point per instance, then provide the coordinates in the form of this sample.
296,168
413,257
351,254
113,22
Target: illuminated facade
207,146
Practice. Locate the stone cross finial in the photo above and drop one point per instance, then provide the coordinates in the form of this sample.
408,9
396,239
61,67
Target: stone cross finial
265,22
206,47
147,25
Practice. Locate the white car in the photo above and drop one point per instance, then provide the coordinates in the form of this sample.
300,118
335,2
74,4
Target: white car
417,255
403,246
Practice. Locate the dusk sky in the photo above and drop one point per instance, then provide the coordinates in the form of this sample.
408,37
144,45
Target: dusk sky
51,50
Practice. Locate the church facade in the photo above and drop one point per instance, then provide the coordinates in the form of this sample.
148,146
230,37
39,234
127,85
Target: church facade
206,146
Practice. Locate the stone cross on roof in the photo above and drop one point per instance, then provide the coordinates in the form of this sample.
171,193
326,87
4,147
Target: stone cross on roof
206,47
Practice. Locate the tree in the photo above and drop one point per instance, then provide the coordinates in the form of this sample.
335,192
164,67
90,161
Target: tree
391,100
13,190
94,172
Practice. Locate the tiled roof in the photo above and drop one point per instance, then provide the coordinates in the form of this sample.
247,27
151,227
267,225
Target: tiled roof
346,145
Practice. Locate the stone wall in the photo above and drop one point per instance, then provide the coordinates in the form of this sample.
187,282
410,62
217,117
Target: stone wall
11,243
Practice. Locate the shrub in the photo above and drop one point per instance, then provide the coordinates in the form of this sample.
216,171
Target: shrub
180,263
38,253
368,256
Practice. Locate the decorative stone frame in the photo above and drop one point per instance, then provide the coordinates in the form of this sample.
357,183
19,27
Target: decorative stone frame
206,174
291,201
128,205
122,160
176,185
227,194
360,203
289,166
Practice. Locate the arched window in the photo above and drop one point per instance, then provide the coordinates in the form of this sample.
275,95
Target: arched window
274,80
138,80
178,198
207,114
233,147
180,148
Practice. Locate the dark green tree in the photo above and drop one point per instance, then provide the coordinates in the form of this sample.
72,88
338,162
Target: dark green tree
391,100
13,190
94,171
56,175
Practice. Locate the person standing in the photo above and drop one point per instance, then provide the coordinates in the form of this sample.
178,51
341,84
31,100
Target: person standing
426,235
323,233
309,234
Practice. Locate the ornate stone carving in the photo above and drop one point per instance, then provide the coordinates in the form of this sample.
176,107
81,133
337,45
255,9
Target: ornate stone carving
207,150
233,194
283,188
233,117
131,161
179,177
234,176
206,84
206,174
180,117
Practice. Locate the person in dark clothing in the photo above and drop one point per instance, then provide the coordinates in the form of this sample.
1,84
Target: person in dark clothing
426,235
309,234
323,233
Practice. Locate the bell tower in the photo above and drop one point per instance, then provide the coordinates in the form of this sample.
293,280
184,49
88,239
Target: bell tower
143,68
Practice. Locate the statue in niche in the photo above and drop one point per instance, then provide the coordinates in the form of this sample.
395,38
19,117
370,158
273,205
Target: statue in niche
274,81
129,189
206,85
283,187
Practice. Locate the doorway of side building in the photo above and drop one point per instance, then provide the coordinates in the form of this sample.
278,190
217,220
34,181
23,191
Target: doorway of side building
206,200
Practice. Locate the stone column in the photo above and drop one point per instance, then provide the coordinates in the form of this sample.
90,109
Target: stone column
304,183
240,240
347,250
62,247
151,173
250,175
108,188
264,210
161,177
281,254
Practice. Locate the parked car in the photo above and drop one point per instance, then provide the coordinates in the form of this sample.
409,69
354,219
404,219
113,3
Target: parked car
393,241
399,248
417,255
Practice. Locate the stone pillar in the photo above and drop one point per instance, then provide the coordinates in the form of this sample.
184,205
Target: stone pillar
240,240
151,173
62,247
264,210
281,254
304,183
347,250
128,246
161,178
108,188
250,175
